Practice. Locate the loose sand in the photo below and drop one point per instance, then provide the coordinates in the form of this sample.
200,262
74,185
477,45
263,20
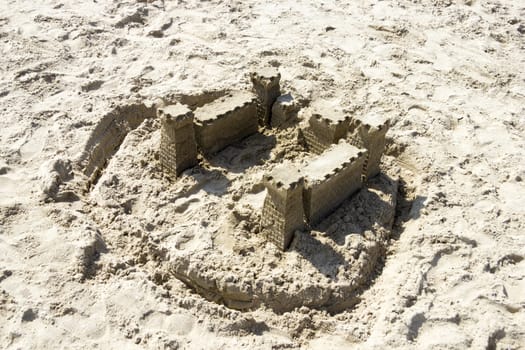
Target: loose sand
100,249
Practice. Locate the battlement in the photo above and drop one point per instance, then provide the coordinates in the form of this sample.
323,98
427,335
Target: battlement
285,176
266,76
333,120
223,107
370,122
175,113
331,162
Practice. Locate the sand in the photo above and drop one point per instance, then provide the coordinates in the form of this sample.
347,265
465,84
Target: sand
97,244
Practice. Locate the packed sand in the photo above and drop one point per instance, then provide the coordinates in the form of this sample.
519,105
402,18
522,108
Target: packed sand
99,248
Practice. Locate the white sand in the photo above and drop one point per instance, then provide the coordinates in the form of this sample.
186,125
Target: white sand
85,255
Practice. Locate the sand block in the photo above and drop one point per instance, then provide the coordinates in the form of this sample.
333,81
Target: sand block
283,206
283,110
324,129
178,149
226,120
369,132
330,178
266,86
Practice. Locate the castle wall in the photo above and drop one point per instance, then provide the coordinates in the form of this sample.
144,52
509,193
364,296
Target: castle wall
330,179
225,121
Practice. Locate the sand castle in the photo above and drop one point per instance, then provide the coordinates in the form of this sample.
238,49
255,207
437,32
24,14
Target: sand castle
344,152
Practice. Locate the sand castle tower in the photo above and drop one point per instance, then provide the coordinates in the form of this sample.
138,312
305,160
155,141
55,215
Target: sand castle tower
283,206
324,131
370,132
178,150
266,85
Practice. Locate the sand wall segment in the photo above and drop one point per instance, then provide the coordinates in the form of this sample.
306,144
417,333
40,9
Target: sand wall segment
330,178
108,135
283,206
178,149
266,86
224,121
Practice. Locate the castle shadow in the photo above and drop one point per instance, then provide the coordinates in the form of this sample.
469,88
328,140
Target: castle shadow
321,255
365,210
213,181
408,207
239,156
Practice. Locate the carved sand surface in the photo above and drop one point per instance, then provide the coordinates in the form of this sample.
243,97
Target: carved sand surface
227,261
262,175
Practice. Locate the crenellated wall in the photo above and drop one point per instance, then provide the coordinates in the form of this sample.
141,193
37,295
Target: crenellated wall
330,179
224,121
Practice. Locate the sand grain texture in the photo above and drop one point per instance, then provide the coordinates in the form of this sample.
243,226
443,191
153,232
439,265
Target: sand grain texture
100,249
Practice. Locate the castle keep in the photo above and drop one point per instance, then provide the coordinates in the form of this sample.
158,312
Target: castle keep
344,151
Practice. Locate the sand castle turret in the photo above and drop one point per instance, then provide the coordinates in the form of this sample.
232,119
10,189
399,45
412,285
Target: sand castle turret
266,85
283,206
370,132
178,150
